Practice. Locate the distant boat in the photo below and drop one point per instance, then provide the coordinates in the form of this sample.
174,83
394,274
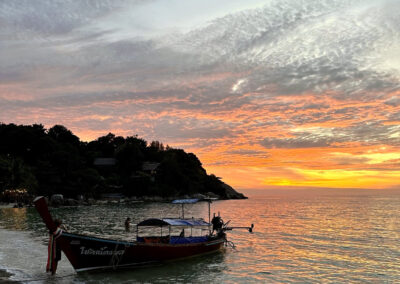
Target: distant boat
92,253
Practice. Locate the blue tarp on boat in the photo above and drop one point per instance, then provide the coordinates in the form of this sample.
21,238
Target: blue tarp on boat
188,240
173,222
186,222
173,240
185,201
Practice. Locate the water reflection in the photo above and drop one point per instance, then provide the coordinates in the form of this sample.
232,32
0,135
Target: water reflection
298,237
201,269
14,218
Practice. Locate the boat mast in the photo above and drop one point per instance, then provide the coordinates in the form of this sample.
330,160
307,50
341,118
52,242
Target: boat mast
209,211
209,216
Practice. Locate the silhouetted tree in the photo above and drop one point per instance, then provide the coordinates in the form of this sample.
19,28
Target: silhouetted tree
63,135
56,161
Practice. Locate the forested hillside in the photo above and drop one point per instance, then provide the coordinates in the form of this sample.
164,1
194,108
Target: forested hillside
53,161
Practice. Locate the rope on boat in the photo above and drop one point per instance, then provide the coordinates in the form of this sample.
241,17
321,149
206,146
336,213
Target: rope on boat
230,243
115,259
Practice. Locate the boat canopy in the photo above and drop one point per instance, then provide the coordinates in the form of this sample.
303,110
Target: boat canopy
173,222
185,201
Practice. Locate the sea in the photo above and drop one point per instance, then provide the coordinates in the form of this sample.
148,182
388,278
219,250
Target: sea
300,236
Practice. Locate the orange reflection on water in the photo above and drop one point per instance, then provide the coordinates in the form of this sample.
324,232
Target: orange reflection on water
302,232
13,218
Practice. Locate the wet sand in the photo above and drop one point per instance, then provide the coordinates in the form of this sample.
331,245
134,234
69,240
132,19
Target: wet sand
7,205
4,277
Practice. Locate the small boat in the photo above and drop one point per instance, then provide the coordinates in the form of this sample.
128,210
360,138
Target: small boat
87,253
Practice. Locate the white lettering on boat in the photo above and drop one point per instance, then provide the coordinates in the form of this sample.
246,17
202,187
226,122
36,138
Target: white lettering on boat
101,251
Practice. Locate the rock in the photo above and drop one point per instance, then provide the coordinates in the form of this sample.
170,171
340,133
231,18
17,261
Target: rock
71,202
230,193
212,195
57,200
198,196
153,198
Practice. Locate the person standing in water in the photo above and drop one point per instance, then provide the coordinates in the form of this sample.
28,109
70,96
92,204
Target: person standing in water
128,224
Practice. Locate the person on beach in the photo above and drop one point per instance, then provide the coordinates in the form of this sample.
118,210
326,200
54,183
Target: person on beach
128,224
54,251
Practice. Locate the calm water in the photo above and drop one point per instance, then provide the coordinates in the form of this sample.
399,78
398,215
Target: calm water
330,236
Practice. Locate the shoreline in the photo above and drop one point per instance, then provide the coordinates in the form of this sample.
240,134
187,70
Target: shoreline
9,205
62,201
5,277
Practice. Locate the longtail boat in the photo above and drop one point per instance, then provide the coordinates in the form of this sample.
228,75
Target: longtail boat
92,253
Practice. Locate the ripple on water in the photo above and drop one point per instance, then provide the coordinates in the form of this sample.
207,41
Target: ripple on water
311,237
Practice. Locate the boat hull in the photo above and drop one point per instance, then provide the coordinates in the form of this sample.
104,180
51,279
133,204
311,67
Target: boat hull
90,253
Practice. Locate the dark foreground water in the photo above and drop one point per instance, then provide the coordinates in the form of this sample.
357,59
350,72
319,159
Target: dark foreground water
307,236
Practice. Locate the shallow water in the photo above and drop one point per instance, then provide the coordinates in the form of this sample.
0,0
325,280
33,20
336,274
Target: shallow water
330,236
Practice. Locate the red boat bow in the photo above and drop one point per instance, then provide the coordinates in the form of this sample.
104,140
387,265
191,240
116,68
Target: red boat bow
43,210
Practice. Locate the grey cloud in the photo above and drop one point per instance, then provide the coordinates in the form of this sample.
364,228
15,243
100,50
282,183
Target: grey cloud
313,45
393,101
308,106
250,153
293,143
393,116
86,99
283,44
52,17
11,76
343,161
287,47
368,133
154,101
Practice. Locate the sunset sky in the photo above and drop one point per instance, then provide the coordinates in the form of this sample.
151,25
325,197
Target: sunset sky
266,93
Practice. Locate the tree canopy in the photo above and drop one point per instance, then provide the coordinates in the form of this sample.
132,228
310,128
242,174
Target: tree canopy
56,161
